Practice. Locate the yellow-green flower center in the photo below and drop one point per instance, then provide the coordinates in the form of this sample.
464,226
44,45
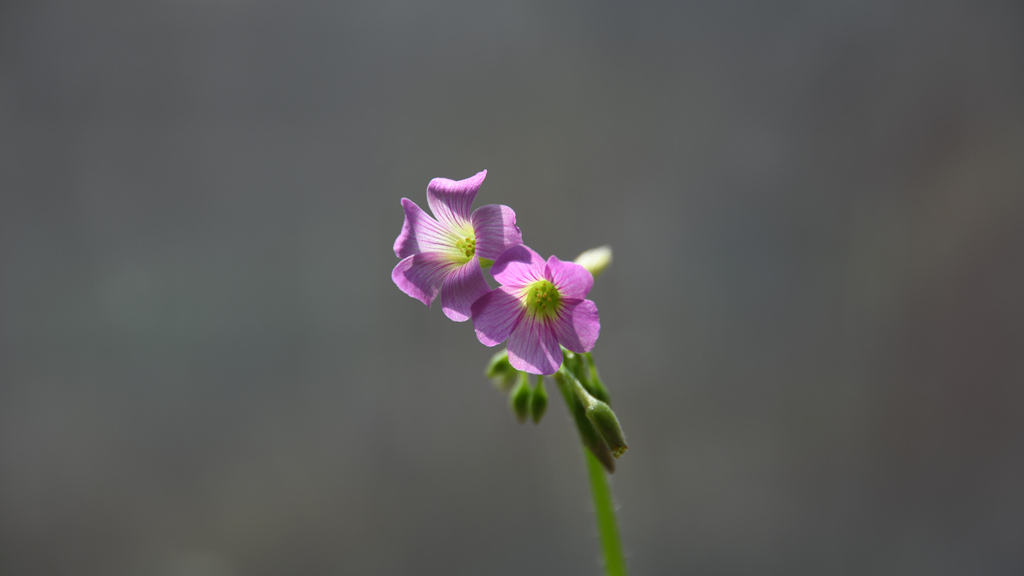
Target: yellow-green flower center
466,245
543,299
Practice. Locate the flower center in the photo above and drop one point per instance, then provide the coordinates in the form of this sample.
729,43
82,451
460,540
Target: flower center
467,245
543,299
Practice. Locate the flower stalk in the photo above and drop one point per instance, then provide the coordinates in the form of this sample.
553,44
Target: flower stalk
604,510
603,440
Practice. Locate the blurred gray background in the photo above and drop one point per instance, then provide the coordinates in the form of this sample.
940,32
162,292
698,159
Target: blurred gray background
813,330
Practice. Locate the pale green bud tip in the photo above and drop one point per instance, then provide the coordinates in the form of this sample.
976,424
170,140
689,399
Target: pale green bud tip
519,399
607,425
596,260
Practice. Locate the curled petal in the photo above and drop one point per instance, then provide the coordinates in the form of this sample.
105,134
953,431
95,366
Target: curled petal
533,347
577,325
495,314
422,275
518,266
451,200
420,233
496,230
571,279
461,288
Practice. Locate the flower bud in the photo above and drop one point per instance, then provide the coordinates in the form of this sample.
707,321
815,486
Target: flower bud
607,425
588,435
596,260
501,372
538,401
519,398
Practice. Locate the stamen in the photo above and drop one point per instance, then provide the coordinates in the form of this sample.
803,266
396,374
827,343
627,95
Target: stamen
467,246
539,295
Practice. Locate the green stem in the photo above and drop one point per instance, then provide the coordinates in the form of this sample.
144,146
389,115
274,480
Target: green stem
604,509
576,399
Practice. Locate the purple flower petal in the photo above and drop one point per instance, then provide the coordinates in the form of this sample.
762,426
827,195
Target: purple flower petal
571,279
451,201
518,266
495,314
420,233
533,347
461,288
496,230
578,325
422,275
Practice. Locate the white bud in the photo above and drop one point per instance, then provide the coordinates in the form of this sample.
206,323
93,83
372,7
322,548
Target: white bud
596,260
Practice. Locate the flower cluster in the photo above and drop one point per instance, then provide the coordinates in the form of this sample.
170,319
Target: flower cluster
539,308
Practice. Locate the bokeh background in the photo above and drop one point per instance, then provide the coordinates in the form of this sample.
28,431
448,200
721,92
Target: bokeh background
813,330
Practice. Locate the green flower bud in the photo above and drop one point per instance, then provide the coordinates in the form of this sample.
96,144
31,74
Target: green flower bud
588,435
607,425
538,401
596,260
519,398
501,372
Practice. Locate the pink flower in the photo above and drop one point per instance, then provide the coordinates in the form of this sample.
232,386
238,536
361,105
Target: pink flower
442,256
540,306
